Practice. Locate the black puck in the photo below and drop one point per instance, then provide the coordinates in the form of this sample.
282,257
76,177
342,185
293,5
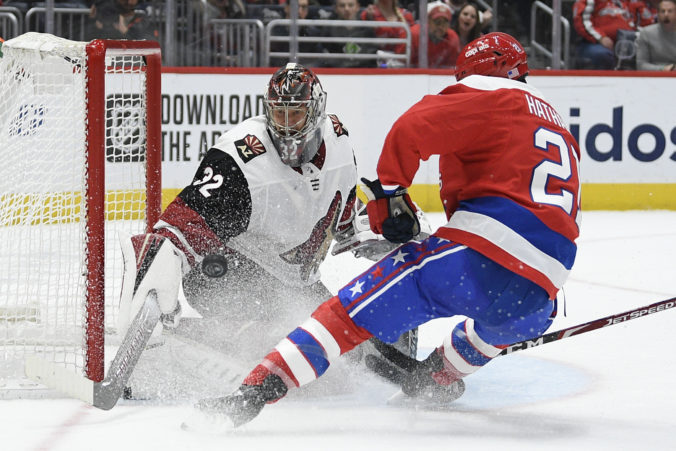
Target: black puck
214,265
126,393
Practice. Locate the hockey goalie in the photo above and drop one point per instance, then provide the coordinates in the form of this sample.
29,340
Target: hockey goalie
246,238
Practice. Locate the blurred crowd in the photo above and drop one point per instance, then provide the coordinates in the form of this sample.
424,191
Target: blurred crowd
606,35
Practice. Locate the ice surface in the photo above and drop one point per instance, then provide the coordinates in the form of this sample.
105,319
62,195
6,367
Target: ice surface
611,389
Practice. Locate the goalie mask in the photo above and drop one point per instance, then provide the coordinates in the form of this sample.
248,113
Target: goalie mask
295,105
496,55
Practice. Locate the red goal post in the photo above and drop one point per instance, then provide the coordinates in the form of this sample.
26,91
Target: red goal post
80,153
96,106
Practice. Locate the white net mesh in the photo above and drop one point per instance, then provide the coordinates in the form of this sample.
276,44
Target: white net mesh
43,181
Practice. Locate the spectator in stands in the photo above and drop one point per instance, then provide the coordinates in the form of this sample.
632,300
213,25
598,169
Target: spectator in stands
348,10
485,17
226,48
657,42
466,24
225,9
645,12
118,19
597,22
303,31
514,18
443,45
389,11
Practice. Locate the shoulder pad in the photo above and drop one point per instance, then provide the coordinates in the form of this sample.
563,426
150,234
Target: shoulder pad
338,127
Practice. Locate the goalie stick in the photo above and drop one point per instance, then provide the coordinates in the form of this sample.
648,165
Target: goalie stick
104,394
591,325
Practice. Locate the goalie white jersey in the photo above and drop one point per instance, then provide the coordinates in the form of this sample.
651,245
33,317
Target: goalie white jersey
244,199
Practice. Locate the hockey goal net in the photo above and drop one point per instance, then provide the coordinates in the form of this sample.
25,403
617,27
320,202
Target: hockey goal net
80,161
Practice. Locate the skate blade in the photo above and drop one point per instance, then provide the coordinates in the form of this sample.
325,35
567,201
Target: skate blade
207,423
431,401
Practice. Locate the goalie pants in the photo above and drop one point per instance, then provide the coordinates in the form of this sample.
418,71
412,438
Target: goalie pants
416,283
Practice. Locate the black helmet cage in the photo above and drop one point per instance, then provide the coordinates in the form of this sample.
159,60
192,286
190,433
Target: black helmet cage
295,88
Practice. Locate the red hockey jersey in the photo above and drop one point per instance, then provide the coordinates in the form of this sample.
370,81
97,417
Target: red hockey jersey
594,19
509,173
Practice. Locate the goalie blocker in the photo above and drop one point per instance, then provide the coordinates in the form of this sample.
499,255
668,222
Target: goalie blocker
151,264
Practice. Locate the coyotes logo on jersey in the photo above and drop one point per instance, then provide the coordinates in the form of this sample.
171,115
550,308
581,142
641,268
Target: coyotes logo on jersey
312,252
249,148
338,126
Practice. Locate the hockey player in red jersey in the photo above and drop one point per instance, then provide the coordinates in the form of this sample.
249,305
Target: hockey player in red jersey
510,187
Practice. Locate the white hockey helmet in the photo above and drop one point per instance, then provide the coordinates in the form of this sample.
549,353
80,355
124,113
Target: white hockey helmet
295,108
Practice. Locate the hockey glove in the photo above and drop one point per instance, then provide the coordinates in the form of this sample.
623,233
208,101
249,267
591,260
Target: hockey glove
392,215
417,379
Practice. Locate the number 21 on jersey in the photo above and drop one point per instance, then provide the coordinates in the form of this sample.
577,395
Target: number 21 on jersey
545,139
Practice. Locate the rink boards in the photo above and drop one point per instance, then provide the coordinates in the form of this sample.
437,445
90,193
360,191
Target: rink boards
625,128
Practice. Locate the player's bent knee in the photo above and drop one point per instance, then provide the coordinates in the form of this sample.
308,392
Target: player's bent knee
336,321
524,326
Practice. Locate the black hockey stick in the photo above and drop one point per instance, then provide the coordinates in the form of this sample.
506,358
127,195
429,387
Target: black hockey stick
104,394
412,374
591,325
408,365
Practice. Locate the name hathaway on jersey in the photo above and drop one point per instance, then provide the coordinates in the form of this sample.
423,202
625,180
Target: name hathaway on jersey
542,110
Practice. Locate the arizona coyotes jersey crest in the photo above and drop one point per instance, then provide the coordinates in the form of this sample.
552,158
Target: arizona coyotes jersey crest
244,198
249,147
338,126
509,173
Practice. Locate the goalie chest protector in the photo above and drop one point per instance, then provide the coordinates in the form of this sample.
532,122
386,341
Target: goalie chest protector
293,210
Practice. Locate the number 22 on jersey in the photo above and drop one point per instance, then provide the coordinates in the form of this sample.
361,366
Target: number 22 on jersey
209,181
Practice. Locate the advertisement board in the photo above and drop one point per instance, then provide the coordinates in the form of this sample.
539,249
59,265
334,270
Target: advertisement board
625,125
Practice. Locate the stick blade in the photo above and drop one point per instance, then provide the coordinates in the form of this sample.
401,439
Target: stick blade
107,392
103,395
59,378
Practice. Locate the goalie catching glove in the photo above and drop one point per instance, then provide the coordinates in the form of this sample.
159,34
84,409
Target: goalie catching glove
426,379
392,213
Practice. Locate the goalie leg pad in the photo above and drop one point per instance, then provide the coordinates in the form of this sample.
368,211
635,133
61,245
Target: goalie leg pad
151,264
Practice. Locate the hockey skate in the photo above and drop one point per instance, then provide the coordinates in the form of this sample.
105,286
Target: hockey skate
422,382
435,397
238,408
